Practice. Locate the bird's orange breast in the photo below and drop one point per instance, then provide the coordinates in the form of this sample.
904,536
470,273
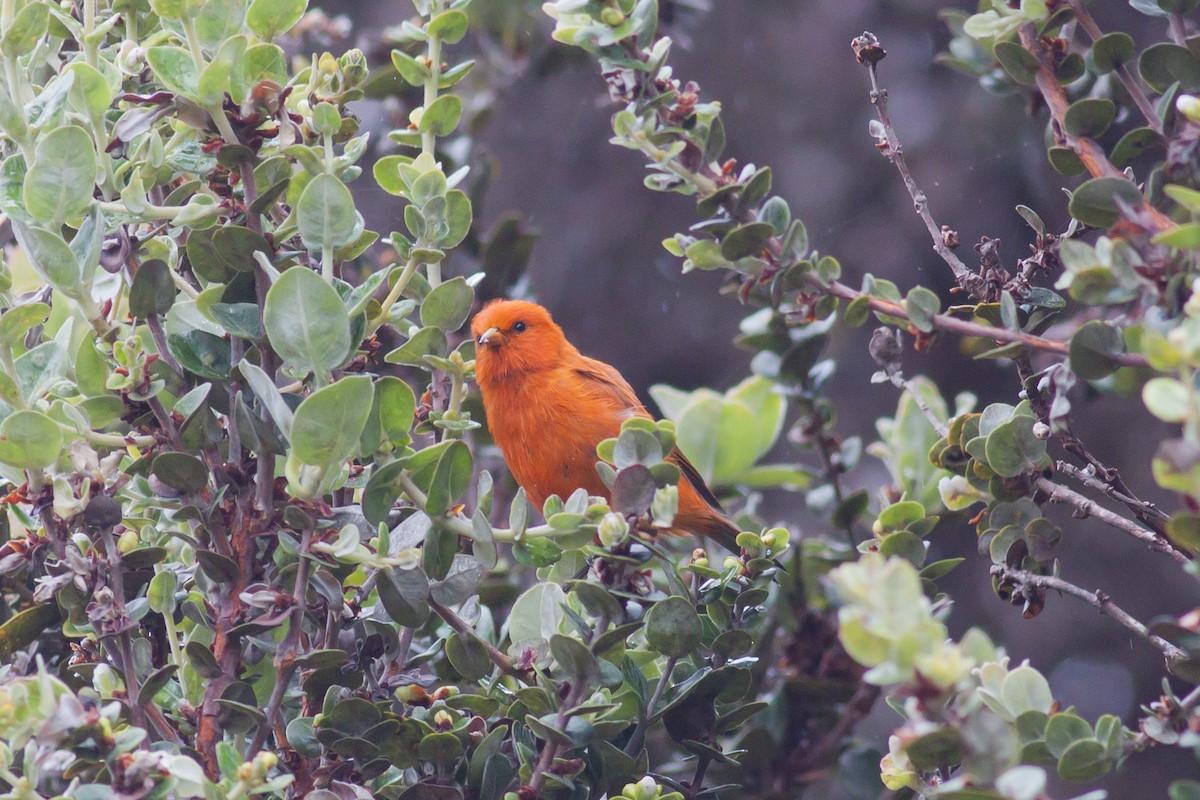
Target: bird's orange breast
547,426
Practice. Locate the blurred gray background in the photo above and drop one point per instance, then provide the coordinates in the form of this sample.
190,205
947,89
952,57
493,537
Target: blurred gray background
795,99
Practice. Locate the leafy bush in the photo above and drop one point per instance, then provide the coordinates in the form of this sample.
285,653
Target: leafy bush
251,547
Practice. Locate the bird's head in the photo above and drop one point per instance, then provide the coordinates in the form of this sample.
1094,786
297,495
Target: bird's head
515,337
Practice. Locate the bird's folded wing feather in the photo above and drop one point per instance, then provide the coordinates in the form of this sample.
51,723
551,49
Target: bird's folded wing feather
604,378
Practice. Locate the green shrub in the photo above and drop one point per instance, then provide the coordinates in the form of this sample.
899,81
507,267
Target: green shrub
250,548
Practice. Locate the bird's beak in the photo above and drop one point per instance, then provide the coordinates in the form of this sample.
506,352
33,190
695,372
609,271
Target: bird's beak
491,336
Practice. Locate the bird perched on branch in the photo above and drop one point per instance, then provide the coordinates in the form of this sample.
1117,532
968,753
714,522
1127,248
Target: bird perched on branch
548,406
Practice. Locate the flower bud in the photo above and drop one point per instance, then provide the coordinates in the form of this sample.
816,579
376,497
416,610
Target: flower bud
1189,106
613,529
612,17
127,541
665,506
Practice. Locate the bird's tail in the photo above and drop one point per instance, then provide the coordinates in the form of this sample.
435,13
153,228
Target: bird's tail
712,525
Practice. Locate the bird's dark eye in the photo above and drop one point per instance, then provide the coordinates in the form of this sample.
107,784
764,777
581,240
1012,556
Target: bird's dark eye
519,327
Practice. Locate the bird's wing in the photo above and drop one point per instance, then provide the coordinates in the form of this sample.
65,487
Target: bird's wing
605,378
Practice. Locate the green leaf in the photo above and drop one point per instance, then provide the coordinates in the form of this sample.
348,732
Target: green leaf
1133,144
1111,51
1095,348
746,240
1084,760
442,115
328,424
405,595
215,81
219,20
181,471
904,544
153,290
448,305
175,69
25,627
1089,117
201,353
18,320
269,18
29,440
1183,237
1065,161
60,183
1184,196
449,26
900,515
1183,529
451,478
426,341
933,750
1169,399
391,414
1025,689
673,627
27,27
1162,64
1184,790
1094,203
1063,730
575,659
306,321
1018,62
922,305
326,215
537,613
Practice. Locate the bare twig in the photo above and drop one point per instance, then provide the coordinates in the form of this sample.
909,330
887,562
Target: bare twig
502,661
154,323
1061,494
1144,509
1131,84
1098,599
870,52
165,422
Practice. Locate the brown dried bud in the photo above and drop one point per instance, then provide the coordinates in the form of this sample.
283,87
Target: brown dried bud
949,237
885,348
867,49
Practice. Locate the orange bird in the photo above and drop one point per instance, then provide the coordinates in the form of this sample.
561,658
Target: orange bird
548,406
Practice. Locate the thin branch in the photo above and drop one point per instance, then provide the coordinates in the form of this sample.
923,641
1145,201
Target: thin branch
1100,477
124,649
1098,599
285,656
697,782
502,661
639,733
552,749
1061,494
962,327
870,53
1140,507
1178,29
1094,159
165,422
154,323
1131,84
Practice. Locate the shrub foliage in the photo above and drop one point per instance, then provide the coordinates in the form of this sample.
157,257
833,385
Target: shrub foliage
256,542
